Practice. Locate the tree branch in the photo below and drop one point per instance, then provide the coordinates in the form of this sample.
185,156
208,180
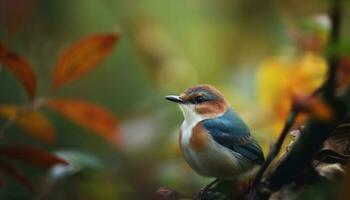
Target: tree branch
316,130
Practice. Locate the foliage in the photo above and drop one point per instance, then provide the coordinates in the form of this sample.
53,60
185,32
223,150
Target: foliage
81,58
113,127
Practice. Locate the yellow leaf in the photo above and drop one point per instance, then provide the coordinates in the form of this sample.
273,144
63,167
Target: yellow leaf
271,78
279,79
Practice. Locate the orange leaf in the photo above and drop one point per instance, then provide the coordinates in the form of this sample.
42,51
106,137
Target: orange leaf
82,57
321,110
34,122
314,106
88,115
20,68
32,155
21,178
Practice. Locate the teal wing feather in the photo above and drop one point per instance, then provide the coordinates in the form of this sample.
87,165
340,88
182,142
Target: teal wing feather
230,131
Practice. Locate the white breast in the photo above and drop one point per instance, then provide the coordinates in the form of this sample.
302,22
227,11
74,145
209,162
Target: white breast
216,160
191,119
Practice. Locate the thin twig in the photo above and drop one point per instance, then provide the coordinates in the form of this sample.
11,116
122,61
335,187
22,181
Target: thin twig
276,147
332,58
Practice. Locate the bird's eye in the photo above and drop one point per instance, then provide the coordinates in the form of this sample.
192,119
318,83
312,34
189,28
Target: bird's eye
199,99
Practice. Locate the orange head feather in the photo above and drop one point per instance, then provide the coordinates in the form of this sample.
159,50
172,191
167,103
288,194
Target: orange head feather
207,100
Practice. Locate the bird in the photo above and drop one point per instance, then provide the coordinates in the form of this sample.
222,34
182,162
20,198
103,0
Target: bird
213,139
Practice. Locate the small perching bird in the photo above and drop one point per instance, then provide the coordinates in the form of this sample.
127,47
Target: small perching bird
214,140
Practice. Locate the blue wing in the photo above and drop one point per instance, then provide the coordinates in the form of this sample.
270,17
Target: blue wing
230,131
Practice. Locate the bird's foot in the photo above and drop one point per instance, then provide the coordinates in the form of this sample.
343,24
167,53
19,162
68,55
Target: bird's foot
205,194
208,192
218,190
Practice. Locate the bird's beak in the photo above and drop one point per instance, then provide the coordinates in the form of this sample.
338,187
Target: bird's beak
174,98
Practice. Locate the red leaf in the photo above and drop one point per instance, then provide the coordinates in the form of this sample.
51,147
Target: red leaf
82,57
32,155
90,116
21,178
20,68
35,123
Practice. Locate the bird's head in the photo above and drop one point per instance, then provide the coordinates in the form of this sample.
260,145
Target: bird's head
200,102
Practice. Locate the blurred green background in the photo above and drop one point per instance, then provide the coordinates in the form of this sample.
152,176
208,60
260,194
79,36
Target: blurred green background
165,47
